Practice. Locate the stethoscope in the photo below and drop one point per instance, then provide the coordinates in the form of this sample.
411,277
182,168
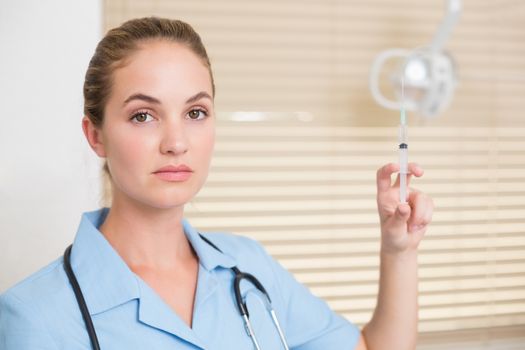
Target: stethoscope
241,305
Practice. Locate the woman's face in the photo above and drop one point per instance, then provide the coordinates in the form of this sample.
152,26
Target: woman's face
159,113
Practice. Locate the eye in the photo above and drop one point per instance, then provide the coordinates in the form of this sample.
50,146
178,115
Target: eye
141,117
197,114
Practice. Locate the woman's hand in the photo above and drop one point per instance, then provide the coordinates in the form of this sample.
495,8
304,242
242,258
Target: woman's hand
394,322
402,224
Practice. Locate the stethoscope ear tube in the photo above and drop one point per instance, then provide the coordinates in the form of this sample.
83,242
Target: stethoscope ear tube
239,276
243,309
80,299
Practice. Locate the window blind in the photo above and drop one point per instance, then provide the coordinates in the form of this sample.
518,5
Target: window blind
299,140
312,205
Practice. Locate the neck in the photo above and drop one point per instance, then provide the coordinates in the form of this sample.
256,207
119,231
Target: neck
147,237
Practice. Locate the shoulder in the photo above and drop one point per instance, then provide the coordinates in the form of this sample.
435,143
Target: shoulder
39,284
308,321
30,306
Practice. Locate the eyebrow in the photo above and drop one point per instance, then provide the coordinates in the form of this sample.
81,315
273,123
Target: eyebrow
198,96
151,99
142,97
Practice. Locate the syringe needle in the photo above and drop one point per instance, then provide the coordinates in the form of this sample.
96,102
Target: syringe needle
403,150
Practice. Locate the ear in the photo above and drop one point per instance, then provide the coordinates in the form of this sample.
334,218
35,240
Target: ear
94,137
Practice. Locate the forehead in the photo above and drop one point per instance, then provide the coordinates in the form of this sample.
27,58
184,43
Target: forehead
162,68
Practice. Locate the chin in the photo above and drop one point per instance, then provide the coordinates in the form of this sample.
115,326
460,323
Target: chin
162,197
171,199
167,203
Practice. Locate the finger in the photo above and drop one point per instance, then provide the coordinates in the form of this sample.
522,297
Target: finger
384,176
413,170
400,218
422,209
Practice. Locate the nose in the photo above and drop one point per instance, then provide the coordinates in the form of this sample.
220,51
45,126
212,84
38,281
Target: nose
174,139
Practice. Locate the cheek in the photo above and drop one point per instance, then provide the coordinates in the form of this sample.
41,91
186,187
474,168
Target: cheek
128,147
203,141
207,144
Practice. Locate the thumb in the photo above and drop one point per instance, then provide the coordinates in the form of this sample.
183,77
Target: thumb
400,217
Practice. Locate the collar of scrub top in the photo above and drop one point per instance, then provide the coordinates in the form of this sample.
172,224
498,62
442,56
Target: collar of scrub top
94,259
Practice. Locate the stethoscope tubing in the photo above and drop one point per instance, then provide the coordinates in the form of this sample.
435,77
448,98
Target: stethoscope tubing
80,299
241,305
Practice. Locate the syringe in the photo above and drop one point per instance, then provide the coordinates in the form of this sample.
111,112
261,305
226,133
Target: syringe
403,149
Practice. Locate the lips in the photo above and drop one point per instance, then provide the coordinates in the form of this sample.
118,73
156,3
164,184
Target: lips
174,169
174,173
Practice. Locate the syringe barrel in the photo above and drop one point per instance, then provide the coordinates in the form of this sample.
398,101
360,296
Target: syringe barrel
402,188
403,158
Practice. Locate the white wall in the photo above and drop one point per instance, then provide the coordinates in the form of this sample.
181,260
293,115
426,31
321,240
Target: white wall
48,173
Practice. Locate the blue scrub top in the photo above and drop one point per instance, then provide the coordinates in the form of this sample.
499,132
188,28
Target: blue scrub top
41,312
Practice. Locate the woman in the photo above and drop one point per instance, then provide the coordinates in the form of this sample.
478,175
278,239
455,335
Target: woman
148,278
